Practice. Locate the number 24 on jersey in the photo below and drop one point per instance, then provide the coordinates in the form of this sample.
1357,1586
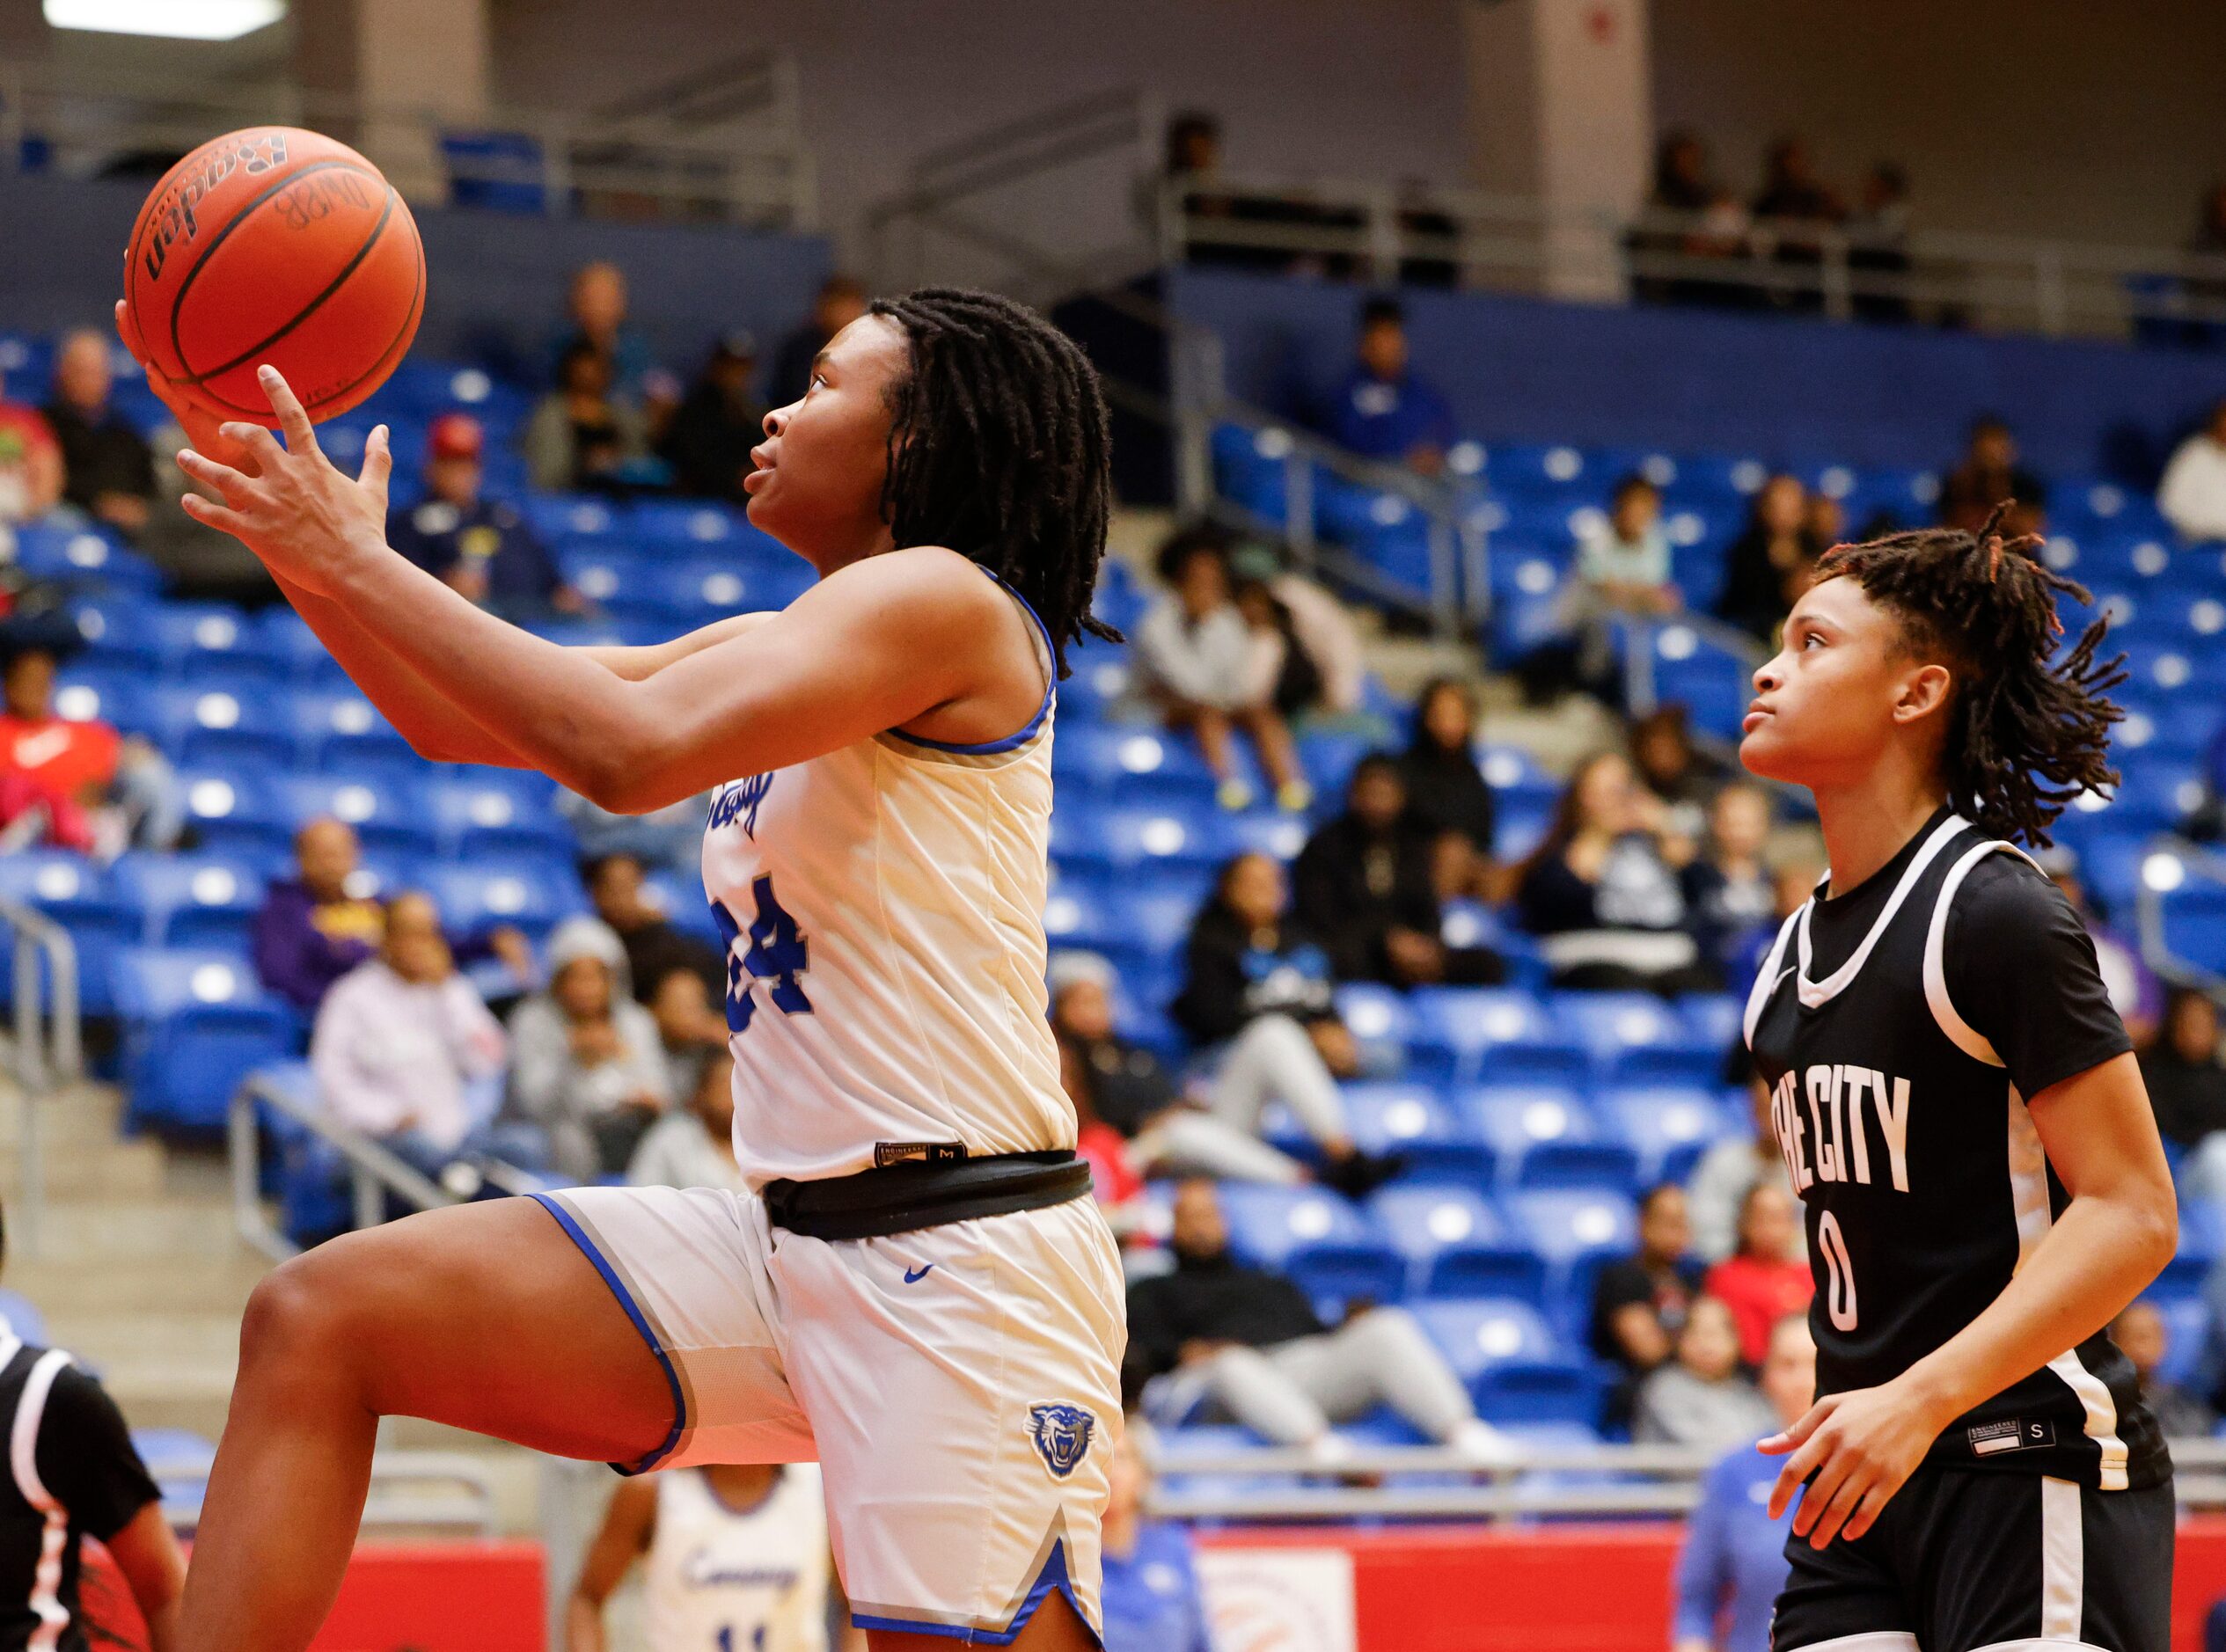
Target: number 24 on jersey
778,954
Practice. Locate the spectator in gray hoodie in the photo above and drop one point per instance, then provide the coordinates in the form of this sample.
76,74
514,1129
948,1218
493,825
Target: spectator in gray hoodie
586,1061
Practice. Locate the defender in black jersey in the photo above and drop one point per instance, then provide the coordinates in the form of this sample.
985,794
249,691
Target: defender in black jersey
1961,1116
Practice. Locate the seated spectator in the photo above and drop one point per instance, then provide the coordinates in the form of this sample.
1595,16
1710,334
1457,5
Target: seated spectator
1385,410
1640,1302
108,470
841,300
654,946
1733,1564
1679,781
1216,1336
1730,1170
1149,1596
1257,994
1793,198
1988,474
693,1145
587,1066
2144,1340
78,785
1446,788
581,436
1697,218
595,309
1624,561
1731,893
310,930
1701,1398
198,562
2135,991
718,421
1365,885
480,547
1600,894
1279,672
1211,1131
1764,1279
403,1043
1318,624
2186,1084
1193,653
1879,246
2192,494
1768,566
691,1030
31,474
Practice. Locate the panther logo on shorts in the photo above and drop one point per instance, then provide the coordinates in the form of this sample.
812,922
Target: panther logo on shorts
1062,1435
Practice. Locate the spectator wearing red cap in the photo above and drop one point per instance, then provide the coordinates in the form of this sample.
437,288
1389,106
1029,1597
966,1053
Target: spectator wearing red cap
480,546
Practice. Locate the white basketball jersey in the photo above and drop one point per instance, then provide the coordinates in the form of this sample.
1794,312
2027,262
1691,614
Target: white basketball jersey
721,1581
883,906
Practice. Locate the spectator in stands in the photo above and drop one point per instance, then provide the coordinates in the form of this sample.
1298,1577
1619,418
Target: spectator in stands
1988,474
1624,559
1793,198
720,418
31,472
108,470
583,436
2188,1087
1215,1333
79,783
690,1030
1257,996
1768,566
1640,1302
404,1045
1149,1596
1365,886
1730,1169
1733,1564
1701,1398
1729,890
1312,620
841,300
587,1066
595,316
693,1145
2135,991
2145,1340
1698,219
1600,894
480,547
1279,672
1679,781
310,930
1765,1277
1446,787
1384,410
2192,494
1210,1130
1879,246
198,562
655,947
1193,651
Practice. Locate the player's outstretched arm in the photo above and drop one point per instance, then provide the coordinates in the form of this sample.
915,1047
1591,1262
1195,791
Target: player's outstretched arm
2114,1236
859,653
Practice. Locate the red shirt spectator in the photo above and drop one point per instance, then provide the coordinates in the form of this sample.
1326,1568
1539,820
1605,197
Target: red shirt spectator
30,463
1762,1281
76,760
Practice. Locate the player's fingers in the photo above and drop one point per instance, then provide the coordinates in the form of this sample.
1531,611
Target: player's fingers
262,446
1866,1513
1778,1445
378,461
216,515
1845,1497
128,333
1823,1486
1786,1488
236,488
301,437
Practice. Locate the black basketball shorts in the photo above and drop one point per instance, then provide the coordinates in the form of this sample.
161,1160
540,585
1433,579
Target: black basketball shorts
1967,1561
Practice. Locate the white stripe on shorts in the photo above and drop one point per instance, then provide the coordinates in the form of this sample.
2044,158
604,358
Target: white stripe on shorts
2063,1562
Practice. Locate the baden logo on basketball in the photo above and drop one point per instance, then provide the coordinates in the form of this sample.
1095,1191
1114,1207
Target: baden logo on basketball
1061,1434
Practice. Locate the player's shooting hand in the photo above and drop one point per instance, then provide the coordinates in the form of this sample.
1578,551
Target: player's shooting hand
201,427
1854,1450
304,518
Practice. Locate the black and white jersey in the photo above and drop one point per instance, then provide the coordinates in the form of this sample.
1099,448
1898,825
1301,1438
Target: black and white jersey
1900,1025
72,1473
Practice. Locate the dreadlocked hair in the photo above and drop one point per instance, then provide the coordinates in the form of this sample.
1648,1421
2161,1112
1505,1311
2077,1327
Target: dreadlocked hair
997,448
2027,732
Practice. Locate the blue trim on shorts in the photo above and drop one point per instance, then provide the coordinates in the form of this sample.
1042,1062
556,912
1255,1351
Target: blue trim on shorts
640,1323
1051,690
1052,1577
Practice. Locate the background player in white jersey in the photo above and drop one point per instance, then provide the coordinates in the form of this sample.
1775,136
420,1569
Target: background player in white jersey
1960,1111
921,1296
734,1560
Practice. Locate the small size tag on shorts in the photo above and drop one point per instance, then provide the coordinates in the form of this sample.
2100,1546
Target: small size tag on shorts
1987,1439
888,1153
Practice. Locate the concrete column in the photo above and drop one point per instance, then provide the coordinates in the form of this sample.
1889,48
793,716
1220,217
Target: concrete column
1560,110
406,66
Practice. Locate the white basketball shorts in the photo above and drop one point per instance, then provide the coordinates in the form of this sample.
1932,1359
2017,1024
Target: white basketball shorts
959,1385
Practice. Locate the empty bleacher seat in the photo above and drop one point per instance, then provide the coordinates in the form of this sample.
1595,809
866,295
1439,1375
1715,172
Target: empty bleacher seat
1315,1237
1545,1138
190,900
1632,1036
1456,1243
197,1022
1463,1031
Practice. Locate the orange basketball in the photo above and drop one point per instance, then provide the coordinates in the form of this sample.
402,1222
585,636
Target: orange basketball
280,245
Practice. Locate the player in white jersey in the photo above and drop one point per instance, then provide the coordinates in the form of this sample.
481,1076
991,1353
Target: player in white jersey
734,1560
919,1295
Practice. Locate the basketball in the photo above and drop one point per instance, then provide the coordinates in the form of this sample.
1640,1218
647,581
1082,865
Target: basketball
273,244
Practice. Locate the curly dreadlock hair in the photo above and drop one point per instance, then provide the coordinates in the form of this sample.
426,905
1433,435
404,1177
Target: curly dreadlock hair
2027,731
999,447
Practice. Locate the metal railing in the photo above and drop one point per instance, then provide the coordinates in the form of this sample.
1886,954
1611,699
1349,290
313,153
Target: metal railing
2188,860
46,1050
373,1172
727,146
1841,271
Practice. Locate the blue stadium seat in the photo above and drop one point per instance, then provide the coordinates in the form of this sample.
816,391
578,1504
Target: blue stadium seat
338,729
1545,1138
476,895
120,630
1102,681
1139,766
79,895
1197,837
1250,468
1457,1245
286,638
487,812
1668,1127
1410,1120
83,560
1316,1237
1635,1036
221,718
197,1022
386,808
1463,1031
203,901
236,809
1713,683
193,638
1575,1232
1477,1334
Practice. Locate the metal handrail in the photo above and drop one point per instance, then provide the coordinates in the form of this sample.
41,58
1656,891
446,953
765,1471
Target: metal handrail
2148,915
46,1051
469,1505
374,1172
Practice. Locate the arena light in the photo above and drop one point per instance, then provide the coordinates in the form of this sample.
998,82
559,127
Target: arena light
170,19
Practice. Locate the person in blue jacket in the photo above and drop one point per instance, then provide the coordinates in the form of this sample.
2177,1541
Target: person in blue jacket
1733,1565
1151,1597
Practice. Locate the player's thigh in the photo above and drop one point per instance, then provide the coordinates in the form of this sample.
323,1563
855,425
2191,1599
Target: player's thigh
1846,1595
485,1316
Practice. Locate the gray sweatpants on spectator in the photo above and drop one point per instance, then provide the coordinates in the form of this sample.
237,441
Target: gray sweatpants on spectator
1291,1392
1271,1060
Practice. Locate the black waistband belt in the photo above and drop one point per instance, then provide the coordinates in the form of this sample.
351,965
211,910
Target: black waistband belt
901,1198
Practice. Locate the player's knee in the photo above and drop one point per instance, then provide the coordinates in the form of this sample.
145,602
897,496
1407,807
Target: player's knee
295,1322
